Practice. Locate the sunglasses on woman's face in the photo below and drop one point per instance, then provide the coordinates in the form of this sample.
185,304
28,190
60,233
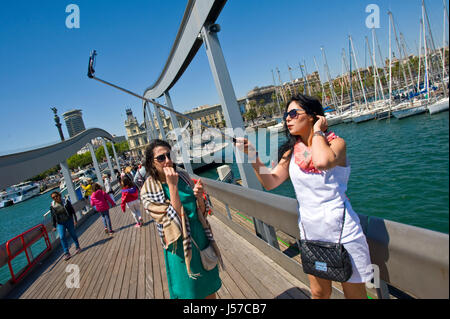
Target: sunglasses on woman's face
292,114
161,158
56,196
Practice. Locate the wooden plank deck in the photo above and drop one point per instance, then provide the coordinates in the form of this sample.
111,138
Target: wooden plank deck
130,265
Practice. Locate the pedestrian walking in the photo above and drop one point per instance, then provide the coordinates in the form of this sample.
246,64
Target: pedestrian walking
100,200
63,218
107,183
130,199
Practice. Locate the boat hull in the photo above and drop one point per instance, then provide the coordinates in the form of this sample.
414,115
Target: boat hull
440,106
364,118
409,112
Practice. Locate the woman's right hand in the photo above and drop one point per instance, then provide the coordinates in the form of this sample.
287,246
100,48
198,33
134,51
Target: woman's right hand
171,176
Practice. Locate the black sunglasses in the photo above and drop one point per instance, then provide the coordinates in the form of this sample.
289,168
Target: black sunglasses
161,158
55,196
292,113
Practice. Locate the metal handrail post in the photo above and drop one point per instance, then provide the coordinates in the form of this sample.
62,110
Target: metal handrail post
107,156
160,124
68,179
233,118
96,167
184,151
113,176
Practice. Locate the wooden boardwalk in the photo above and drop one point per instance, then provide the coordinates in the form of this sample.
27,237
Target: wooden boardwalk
130,265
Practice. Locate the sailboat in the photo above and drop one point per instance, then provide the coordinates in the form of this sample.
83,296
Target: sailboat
416,106
442,105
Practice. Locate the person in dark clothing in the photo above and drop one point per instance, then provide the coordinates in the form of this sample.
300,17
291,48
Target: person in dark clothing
63,217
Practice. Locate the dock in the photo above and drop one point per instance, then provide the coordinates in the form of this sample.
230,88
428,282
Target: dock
130,265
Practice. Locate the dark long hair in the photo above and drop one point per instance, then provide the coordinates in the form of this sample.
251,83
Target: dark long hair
312,107
149,156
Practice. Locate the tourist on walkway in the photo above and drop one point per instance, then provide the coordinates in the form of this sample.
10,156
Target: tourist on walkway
63,217
107,183
88,188
100,200
130,199
179,209
317,165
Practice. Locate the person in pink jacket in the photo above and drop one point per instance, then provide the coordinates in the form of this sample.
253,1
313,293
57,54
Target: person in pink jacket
99,200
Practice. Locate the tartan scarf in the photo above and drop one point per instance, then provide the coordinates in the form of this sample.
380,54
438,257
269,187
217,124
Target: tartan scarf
172,224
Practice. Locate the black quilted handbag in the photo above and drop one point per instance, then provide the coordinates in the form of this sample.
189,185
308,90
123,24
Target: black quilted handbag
326,260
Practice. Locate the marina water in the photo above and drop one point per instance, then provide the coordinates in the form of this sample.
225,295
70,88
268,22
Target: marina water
400,172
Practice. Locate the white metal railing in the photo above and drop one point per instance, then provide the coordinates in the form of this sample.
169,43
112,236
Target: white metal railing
411,259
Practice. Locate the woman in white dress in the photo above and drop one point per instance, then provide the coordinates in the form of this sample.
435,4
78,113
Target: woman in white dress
317,165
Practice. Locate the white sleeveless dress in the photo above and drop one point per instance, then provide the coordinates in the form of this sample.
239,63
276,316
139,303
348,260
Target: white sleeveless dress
321,199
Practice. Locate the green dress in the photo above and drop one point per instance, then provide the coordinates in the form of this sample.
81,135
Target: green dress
180,285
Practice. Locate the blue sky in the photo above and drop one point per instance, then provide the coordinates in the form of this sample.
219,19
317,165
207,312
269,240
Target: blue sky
43,63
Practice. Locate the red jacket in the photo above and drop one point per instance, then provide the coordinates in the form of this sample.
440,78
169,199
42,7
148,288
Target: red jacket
100,200
129,195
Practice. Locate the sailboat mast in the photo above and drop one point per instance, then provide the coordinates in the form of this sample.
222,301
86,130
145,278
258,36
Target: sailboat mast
321,84
375,64
390,71
375,86
342,83
443,49
434,49
303,76
359,74
276,92
351,93
307,82
350,75
399,51
381,55
420,54
430,33
426,53
403,43
333,94
283,93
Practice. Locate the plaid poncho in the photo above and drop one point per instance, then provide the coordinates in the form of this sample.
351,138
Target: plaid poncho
171,224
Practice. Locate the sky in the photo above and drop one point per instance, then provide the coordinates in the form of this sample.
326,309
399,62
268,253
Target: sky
43,63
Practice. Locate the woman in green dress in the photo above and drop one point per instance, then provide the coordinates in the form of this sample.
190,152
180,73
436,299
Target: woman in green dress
179,210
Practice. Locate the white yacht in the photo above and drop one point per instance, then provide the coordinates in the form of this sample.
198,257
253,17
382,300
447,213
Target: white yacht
18,193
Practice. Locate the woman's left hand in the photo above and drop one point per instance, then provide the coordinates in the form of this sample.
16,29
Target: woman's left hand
321,124
198,189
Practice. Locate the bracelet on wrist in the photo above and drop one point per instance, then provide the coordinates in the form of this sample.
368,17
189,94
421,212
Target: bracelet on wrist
319,133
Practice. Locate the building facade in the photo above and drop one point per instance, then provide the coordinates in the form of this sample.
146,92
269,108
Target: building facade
74,122
210,115
137,137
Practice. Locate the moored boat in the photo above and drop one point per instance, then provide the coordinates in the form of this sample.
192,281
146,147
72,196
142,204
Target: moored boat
439,106
18,193
409,112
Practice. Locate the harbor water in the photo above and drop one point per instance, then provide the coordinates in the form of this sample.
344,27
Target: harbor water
399,169
400,172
